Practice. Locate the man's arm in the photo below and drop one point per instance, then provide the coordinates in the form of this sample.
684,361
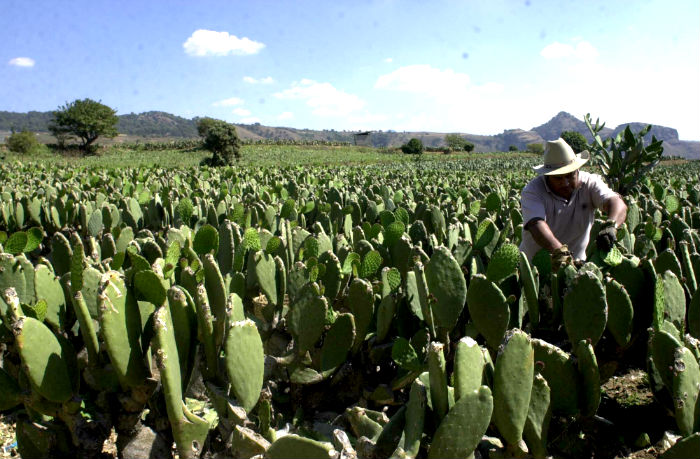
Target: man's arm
542,234
616,209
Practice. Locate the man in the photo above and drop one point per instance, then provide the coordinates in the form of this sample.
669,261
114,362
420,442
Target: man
559,207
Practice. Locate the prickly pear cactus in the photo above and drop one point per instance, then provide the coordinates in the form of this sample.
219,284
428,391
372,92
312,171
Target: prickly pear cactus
585,309
338,342
415,418
620,312
488,309
588,368
43,360
447,285
293,446
461,430
503,263
120,326
245,362
512,385
686,390
538,416
360,301
468,367
559,369
307,317
189,430
530,289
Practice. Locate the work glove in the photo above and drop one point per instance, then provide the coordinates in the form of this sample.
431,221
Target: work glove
561,257
607,236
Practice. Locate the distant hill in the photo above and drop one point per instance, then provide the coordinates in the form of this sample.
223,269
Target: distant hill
160,125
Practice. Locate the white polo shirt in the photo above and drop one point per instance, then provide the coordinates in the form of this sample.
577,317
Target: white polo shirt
570,220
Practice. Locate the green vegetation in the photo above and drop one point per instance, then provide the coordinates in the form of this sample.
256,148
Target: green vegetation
458,143
221,139
343,280
624,160
537,148
413,147
23,142
85,119
576,140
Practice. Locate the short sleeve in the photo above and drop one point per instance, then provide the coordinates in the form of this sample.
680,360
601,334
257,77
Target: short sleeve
532,205
600,191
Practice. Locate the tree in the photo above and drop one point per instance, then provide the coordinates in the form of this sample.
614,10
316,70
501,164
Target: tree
85,119
413,147
458,143
454,141
576,140
23,142
512,148
221,138
535,148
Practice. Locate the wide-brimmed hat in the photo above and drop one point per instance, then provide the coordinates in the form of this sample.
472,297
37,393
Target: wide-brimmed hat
559,158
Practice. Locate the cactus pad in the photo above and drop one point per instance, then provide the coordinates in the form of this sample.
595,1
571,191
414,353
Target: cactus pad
488,309
512,385
461,430
585,309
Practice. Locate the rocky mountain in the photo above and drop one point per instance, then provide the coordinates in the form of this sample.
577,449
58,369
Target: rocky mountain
161,125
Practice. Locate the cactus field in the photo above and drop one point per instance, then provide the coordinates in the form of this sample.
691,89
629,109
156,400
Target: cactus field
302,309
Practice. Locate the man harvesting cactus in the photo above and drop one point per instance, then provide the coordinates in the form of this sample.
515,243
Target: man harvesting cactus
559,206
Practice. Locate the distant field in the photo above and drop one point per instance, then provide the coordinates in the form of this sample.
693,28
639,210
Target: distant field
252,155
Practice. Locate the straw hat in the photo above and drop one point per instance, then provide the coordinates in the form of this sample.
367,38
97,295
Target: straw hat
559,158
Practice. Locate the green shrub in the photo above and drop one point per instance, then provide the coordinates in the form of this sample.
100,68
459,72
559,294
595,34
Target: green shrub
221,138
576,140
513,148
624,160
413,147
535,148
23,142
468,146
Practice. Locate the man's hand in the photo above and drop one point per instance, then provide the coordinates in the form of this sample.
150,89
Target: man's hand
607,236
561,257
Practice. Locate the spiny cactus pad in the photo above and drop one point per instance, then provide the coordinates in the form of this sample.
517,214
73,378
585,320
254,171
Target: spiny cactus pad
620,312
42,359
538,416
488,309
588,368
585,309
503,263
468,367
559,369
461,430
512,385
685,391
245,362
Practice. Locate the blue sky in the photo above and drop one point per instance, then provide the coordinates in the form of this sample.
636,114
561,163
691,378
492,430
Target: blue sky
476,67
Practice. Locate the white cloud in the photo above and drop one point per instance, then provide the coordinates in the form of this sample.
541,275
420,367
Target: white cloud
211,43
241,112
582,50
389,60
323,98
22,62
423,79
285,116
251,120
228,102
251,80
